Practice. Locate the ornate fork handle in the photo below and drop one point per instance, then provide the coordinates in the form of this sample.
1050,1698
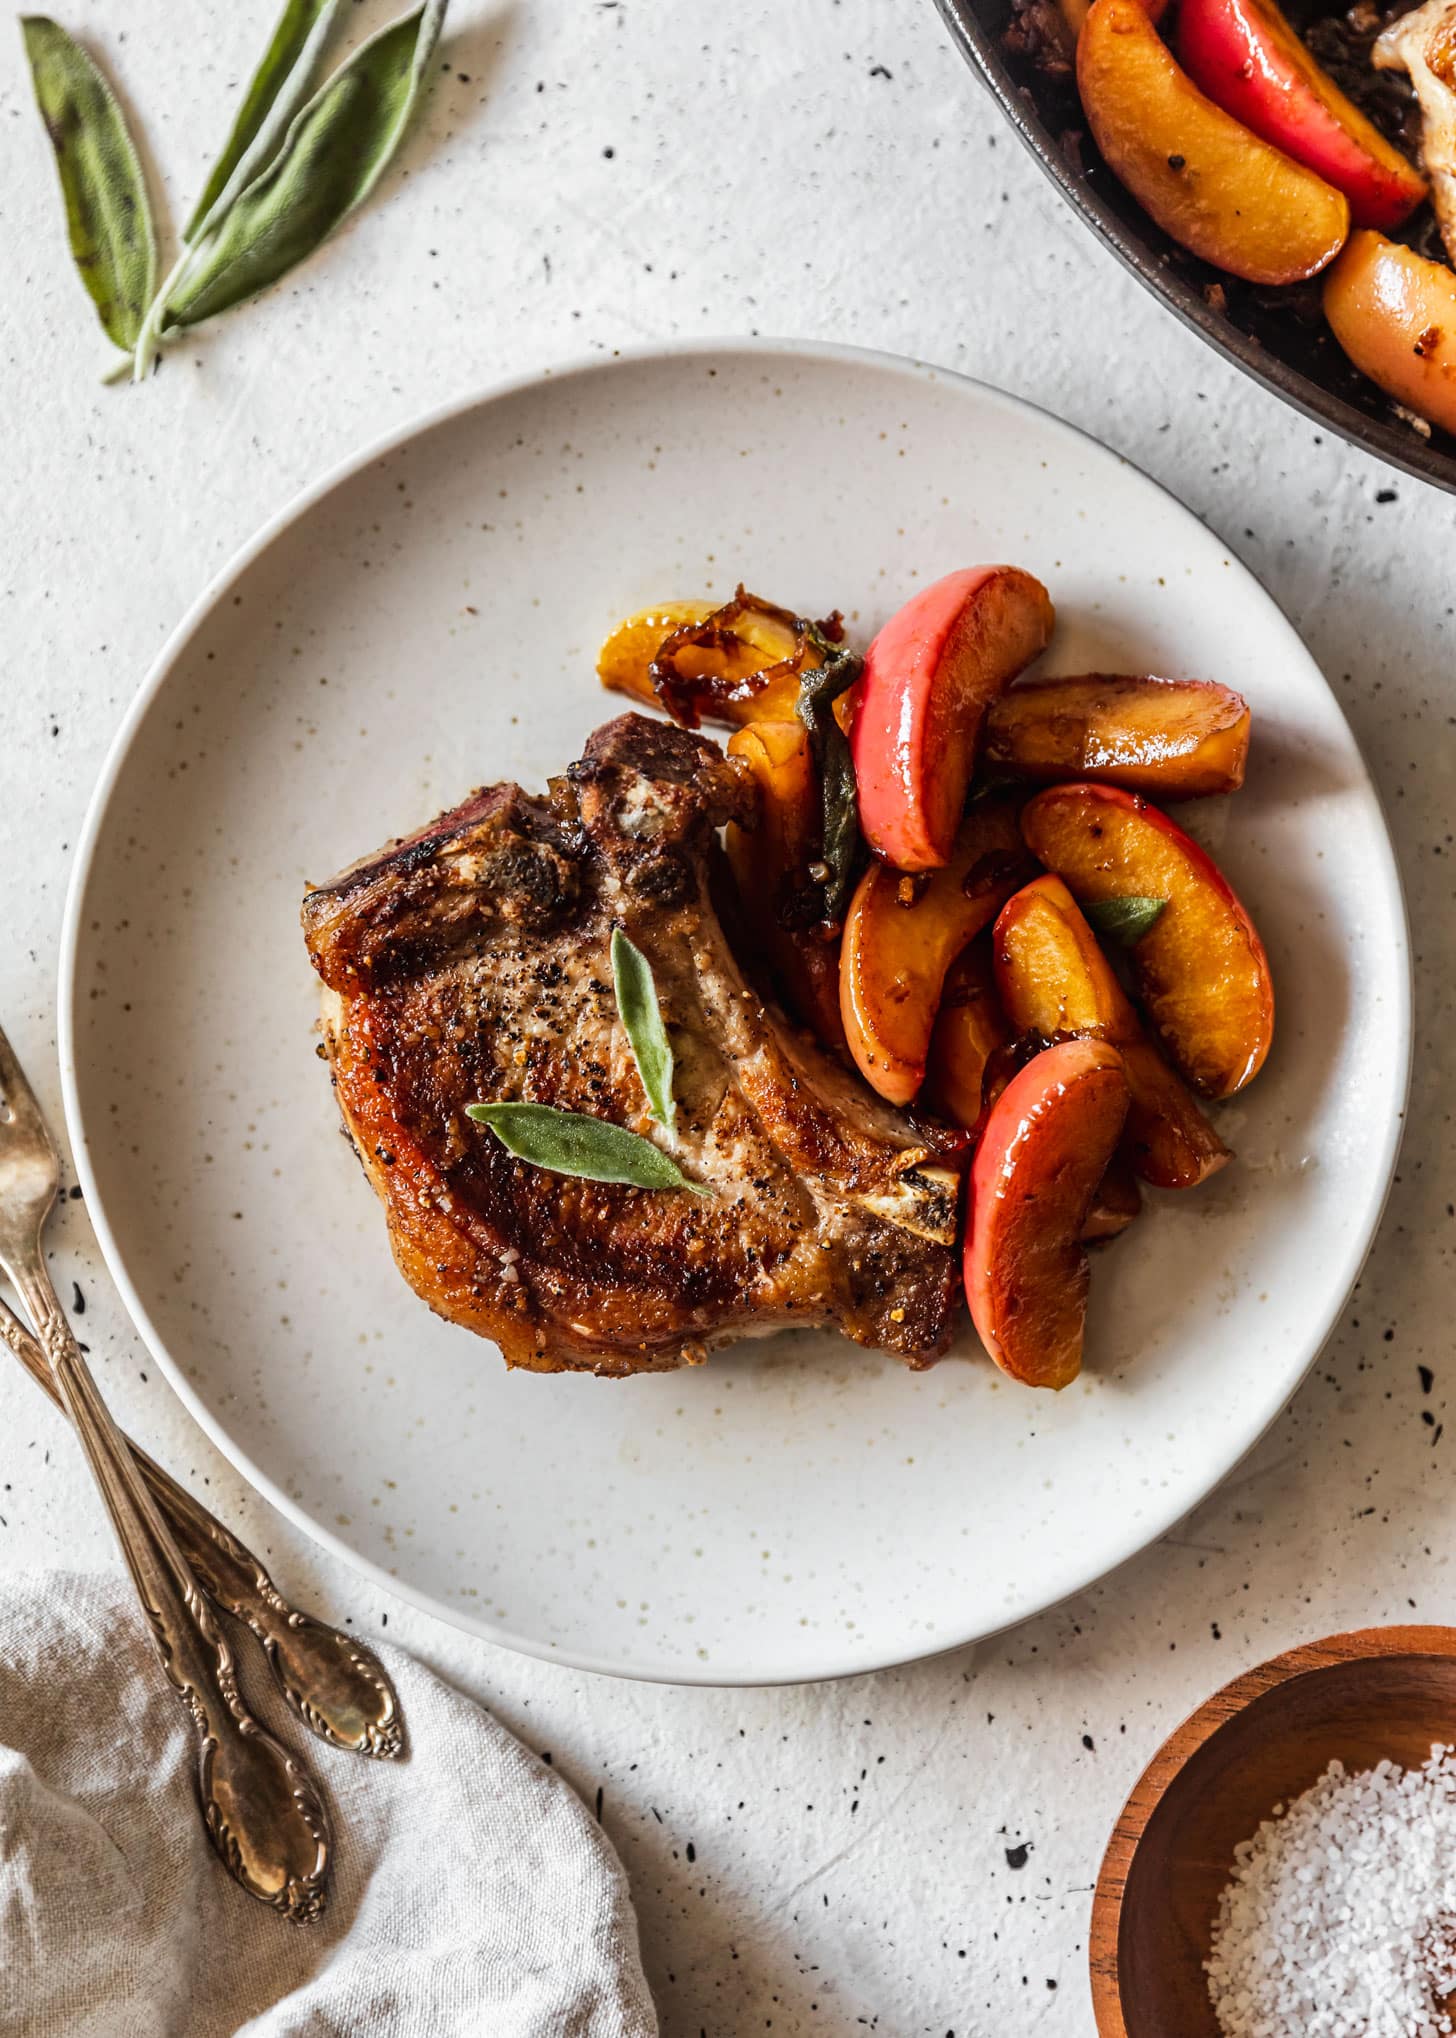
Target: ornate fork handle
263,1814
337,1686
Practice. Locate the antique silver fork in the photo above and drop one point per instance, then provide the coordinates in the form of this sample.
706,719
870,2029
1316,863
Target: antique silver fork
336,1684
262,1811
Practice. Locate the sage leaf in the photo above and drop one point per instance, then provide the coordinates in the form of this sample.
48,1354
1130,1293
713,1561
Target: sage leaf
641,1016
275,92
568,1143
108,218
818,691
1124,920
337,147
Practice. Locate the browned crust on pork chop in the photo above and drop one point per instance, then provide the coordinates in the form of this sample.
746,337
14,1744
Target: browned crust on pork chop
470,963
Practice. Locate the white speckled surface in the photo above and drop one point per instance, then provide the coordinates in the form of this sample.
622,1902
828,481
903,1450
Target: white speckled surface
849,1864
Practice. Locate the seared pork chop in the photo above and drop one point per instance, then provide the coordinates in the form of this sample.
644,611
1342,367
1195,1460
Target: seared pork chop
471,964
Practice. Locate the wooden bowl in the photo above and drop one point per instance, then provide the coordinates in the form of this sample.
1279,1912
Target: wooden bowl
1262,1740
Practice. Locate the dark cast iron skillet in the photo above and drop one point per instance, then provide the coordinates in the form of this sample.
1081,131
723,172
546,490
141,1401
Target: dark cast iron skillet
1278,337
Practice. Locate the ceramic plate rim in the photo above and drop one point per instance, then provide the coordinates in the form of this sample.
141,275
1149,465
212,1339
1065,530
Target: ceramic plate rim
275,528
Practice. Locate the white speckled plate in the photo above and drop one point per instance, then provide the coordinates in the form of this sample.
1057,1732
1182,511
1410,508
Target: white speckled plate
426,619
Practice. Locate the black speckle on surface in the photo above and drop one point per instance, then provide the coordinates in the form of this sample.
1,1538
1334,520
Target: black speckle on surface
1427,1378
692,1851
599,1804
78,1303
1088,1742
880,71
1386,495
1016,1856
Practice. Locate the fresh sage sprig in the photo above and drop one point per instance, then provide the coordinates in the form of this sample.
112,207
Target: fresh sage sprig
641,1015
1124,920
295,165
819,689
108,218
569,1143
275,92
334,152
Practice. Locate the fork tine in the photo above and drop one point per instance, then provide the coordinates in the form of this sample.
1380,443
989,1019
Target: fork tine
20,1112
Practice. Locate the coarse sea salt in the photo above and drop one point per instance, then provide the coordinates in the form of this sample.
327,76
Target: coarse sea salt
1340,1918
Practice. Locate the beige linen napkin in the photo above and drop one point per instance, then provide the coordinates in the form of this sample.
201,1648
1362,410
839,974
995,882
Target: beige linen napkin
473,1892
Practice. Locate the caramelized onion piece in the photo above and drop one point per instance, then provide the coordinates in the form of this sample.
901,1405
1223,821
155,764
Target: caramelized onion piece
743,662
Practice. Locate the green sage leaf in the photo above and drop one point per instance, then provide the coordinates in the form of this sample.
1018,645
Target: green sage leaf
1124,920
818,691
641,1015
567,1143
275,92
336,149
108,218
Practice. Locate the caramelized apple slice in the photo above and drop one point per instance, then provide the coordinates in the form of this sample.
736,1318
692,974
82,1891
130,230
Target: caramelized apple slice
1117,1201
1215,187
770,863
1394,313
1047,1143
735,662
916,709
1074,13
1247,58
903,933
969,1027
1177,738
1200,969
624,663
1054,979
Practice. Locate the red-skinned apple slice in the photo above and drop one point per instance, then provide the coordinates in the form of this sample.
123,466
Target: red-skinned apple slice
901,935
1200,969
1075,12
1116,1203
969,1027
1249,61
917,708
1054,979
1044,1149
1173,739
1394,313
1118,1199
1219,190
